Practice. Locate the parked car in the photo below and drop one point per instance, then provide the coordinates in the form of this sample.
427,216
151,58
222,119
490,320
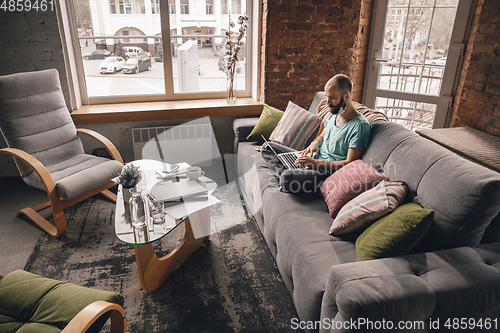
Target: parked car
131,51
97,54
111,65
439,62
137,64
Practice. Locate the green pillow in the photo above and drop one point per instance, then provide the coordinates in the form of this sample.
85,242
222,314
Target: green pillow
268,120
395,234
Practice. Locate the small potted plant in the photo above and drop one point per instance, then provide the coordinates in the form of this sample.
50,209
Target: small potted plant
129,177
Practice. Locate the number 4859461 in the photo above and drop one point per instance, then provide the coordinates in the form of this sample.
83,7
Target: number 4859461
27,5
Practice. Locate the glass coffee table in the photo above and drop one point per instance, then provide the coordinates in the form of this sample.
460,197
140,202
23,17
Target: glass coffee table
195,215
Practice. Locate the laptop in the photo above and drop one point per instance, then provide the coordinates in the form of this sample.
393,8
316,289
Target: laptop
287,159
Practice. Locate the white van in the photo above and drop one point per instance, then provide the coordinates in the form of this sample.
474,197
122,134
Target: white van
131,51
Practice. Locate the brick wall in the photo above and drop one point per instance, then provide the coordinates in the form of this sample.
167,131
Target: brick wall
306,42
29,41
477,101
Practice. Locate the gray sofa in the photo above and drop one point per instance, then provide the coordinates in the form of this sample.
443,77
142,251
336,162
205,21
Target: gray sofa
453,272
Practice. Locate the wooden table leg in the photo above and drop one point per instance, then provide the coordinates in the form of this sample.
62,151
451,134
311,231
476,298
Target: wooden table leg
153,270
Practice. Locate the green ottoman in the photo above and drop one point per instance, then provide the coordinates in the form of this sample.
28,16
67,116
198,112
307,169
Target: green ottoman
31,303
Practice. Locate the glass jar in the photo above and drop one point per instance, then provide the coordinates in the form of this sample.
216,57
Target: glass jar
139,209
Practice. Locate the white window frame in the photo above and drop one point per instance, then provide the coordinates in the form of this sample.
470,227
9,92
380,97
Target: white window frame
209,4
155,6
76,74
444,99
236,4
184,7
224,7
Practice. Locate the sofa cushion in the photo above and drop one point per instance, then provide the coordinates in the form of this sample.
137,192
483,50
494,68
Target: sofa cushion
463,195
347,183
465,198
268,120
368,207
296,128
384,138
395,234
305,252
276,204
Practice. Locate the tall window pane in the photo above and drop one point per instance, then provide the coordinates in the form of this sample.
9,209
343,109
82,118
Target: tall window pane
198,61
114,66
184,6
122,45
209,7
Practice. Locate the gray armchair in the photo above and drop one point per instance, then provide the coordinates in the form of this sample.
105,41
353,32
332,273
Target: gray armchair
47,150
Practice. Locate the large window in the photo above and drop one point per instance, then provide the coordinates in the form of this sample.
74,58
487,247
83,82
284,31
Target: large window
155,6
185,53
209,7
184,6
236,7
223,6
415,54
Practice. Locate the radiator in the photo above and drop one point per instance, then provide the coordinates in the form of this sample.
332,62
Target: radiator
191,143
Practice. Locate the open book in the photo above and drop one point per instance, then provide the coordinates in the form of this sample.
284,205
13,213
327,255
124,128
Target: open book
174,191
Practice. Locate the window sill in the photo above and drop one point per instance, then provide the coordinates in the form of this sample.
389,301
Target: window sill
130,112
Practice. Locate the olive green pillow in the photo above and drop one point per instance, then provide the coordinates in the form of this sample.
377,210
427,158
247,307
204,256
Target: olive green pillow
268,120
395,234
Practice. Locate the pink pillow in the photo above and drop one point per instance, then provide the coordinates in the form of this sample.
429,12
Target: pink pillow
368,207
347,183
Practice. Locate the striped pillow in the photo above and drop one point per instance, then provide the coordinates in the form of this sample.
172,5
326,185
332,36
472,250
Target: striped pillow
296,128
368,207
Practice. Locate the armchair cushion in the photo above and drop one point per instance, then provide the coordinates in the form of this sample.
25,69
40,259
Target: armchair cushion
38,304
78,175
35,119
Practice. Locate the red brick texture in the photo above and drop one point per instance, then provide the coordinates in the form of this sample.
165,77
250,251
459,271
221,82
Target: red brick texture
305,43
477,101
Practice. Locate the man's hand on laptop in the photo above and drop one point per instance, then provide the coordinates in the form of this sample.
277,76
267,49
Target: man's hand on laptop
306,161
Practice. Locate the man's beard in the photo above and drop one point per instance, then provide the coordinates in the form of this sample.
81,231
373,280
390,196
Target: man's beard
339,108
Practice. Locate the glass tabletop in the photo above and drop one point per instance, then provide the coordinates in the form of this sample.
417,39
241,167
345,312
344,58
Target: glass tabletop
137,236
176,211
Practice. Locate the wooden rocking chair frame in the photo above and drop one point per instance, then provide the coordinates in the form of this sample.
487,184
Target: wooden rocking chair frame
55,201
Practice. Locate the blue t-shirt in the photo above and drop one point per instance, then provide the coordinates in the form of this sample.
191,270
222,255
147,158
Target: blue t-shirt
338,139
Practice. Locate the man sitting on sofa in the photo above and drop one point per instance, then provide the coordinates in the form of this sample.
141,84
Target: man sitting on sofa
342,140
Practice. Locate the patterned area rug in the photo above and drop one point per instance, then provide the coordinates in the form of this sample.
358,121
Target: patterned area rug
231,284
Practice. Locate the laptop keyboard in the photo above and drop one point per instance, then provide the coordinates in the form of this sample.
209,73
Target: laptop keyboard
288,159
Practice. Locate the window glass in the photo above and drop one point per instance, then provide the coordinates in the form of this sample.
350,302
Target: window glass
132,29
209,5
184,6
223,6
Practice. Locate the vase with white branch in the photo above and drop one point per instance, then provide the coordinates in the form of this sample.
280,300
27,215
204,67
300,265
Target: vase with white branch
232,57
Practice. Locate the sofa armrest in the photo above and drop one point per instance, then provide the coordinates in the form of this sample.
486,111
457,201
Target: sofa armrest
384,289
94,311
459,282
242,127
